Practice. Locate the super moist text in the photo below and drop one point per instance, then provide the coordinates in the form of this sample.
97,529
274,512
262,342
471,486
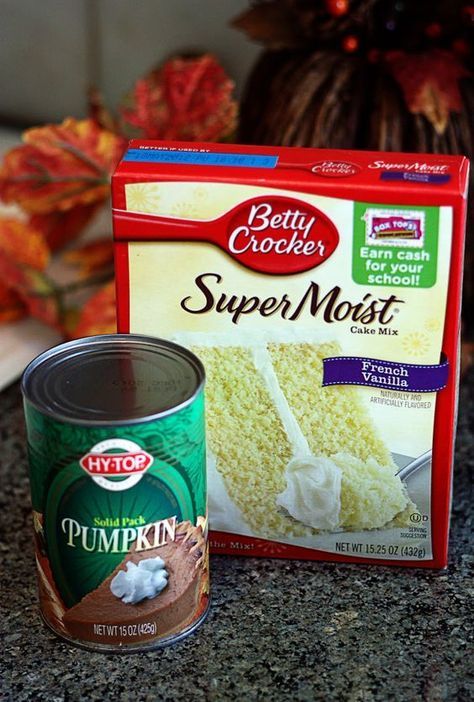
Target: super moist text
331,305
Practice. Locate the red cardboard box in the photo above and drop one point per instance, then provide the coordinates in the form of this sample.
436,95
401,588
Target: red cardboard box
322,291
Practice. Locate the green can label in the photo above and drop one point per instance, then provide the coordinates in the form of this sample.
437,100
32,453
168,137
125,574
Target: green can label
121,526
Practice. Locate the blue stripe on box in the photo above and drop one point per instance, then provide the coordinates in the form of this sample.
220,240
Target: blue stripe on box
197,158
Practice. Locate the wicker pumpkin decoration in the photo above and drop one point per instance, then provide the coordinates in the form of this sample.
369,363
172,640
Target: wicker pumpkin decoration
389,75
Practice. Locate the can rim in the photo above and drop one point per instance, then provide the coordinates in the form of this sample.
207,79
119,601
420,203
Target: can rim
93,341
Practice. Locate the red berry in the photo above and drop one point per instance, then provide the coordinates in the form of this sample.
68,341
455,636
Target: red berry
468,12
350,44
373,55
337,8
433,30
461,47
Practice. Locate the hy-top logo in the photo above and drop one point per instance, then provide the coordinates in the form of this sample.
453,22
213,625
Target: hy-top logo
280,235
116,464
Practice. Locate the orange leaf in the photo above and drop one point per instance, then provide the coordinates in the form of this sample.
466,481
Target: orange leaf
60,166
430,83
24,255
91,257
11,305
99,112
23,244
275,24
34,289
187,98
98,314
61,227
45,309
69,321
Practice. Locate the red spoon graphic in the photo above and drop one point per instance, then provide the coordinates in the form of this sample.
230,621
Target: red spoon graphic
271,234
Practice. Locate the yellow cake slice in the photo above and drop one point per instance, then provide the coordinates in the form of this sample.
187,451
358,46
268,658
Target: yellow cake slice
371,494
280,438
246,435
332,418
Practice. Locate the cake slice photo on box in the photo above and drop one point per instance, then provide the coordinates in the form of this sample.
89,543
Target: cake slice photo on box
287,456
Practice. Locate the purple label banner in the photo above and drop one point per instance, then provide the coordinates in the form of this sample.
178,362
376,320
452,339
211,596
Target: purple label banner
437,178
390,375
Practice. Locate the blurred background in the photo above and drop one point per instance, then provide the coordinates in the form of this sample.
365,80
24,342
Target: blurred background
52,51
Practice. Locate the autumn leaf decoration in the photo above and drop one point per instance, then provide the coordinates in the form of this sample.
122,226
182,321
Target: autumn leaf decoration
60,167
60,176
98,315
57,178
430,83
91,258
60,227
24,256
187,98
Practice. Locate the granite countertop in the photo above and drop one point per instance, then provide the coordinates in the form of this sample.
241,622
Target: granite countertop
278,630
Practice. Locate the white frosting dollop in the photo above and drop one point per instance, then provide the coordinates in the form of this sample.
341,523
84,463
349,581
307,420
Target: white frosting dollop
145,579
313,491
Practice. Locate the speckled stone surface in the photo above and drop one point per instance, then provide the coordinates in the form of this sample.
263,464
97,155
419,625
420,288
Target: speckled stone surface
278,630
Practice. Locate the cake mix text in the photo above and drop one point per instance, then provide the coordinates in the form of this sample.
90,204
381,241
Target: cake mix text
331,305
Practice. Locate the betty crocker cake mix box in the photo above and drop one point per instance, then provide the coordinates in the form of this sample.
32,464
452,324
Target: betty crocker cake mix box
322,291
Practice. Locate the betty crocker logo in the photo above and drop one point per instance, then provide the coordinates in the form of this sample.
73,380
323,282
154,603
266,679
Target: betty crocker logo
280,235
335,169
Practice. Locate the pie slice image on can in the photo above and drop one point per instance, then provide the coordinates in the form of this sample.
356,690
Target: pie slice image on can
117,456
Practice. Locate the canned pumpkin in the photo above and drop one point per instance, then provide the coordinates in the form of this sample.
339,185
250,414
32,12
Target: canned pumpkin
116,443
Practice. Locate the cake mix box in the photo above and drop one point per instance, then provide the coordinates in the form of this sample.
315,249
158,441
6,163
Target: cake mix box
322,291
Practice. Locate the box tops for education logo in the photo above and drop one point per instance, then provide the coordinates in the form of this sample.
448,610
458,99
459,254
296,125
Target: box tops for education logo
394,227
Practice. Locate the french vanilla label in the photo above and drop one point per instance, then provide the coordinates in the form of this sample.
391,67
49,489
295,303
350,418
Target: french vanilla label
316,294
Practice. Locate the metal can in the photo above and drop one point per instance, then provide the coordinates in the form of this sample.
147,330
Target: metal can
117,455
